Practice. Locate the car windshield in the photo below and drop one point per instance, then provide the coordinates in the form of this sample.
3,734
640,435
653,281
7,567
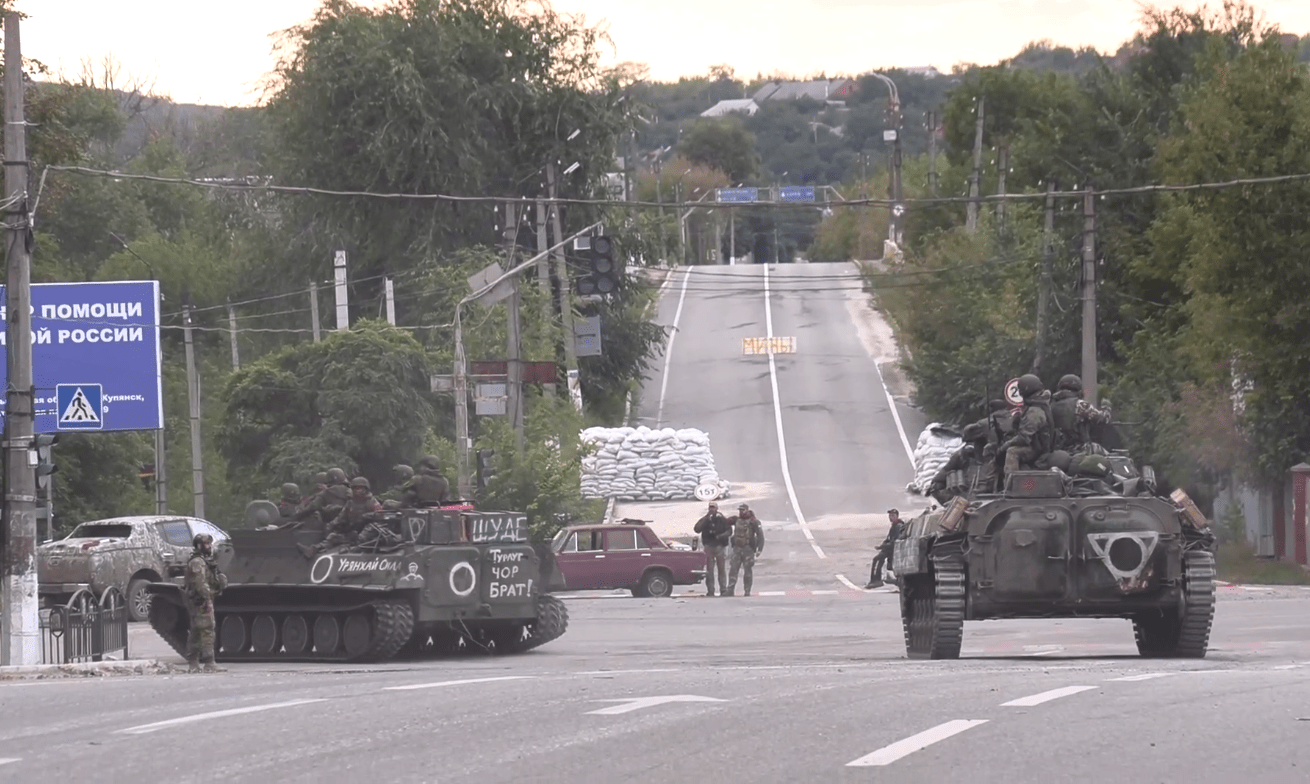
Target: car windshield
102,531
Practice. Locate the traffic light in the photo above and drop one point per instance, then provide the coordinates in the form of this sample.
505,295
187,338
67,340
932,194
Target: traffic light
603,268
44,465
486,470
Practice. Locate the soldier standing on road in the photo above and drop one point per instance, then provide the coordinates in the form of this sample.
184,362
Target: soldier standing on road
879,569
747,544
203,582
345,529
286,508
714,531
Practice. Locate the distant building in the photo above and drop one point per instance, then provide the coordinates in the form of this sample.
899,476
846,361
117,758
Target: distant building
923,70
734,106
820,90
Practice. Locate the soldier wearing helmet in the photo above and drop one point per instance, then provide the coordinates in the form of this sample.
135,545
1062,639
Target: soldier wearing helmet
350,521
204,581
392,498
326,504
1073,417
428,487
290,501
976,473
1034,434
747,538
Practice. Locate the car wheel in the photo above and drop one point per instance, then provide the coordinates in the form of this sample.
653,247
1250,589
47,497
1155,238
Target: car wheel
657,583
138,600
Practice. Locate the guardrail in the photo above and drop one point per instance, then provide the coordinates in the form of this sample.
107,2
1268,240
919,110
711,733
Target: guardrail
84,629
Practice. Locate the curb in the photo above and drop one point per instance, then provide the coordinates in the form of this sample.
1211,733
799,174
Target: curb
84,670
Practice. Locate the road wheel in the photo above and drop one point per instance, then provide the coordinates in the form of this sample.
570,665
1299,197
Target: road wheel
657,583
138,600
1184,633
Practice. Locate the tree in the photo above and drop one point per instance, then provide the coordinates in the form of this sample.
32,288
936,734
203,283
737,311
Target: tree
725,145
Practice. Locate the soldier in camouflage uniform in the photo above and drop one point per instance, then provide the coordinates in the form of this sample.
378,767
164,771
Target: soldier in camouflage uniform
348,524
1073,417
203,582
326,504
428,487
747,544
1033,437
393,497
290,502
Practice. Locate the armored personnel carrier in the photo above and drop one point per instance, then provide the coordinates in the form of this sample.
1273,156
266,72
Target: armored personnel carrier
1054,546
458,580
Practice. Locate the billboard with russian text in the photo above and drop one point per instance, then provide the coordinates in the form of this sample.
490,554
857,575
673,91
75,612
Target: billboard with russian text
101,338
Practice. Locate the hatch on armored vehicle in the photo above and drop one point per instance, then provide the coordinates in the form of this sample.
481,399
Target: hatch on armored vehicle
1052,546
457,580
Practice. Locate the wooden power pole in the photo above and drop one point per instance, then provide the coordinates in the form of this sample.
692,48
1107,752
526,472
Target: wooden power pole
1089,295
975,179
1044,292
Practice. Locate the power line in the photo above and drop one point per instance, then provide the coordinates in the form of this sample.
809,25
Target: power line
443,197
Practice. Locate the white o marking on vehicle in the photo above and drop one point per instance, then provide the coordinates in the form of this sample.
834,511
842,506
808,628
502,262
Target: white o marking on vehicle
473,578
314,576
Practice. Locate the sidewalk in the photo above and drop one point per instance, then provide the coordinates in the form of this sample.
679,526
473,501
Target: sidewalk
150,656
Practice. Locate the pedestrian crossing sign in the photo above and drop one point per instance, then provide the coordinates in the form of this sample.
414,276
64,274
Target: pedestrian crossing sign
80,406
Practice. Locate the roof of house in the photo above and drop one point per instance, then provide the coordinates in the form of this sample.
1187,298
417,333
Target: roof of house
721,108
819,90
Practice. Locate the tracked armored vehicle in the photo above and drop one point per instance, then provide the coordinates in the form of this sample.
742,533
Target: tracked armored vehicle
1053,546
457,581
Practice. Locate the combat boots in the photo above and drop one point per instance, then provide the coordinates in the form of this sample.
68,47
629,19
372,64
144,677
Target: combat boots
306,550
193,664
211,667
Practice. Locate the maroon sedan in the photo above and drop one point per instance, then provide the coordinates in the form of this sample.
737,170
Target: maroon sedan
595,557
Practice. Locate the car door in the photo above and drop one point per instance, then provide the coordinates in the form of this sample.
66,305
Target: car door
581,559
624,562
174,545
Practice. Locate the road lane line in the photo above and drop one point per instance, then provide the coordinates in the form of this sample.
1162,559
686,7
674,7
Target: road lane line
903,748
772,593
1146,676
1046,696
849,584
824,593
668,349
777,418
163,725
7,760
439,684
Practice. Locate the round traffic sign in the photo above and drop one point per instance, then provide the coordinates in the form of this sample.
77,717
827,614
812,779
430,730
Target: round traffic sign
708,491
1012,395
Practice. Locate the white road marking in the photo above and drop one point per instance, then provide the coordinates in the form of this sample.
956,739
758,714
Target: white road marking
1046,696
771,593
824,593
1146,676
668,349
7,760
637,703
902,748
850,584
777,418
163,725
439,684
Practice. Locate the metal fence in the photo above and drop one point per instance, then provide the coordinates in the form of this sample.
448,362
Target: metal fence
83,629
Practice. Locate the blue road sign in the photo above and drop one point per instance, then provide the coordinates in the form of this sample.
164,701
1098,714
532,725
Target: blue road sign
796,193
79,407
743,195
102,338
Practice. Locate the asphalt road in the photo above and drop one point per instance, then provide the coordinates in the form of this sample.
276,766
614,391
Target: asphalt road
804,681
763,689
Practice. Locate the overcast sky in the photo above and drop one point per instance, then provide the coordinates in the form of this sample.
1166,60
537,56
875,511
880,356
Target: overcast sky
216,53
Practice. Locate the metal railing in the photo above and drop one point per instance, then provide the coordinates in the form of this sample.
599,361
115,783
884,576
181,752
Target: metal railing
83,629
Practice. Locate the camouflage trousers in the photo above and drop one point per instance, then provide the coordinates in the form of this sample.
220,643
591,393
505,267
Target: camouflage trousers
1015,457
715,557
743,559
200,637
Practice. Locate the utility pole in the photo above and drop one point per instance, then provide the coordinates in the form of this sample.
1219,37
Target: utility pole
232,336
514,363
1044,292
461,412
339,270
975,179
21,642
161,473
932,153
1002,165
562,273
659,199
390,293
1089,294
193,396
732,236
313,311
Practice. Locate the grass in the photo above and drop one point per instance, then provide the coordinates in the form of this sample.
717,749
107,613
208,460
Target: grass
1238,563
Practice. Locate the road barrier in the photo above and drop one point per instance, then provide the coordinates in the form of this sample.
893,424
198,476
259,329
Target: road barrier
84,629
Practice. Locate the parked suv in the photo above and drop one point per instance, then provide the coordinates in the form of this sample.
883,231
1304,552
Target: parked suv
127,553
602,556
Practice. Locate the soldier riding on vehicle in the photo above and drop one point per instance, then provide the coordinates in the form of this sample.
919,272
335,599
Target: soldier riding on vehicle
353,517
428,487
1073,417
324,506
1034,434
